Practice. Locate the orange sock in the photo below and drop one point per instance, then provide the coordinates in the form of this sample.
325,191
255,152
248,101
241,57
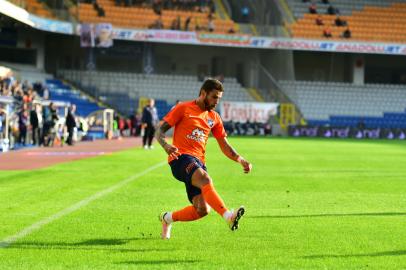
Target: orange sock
188,213
213,199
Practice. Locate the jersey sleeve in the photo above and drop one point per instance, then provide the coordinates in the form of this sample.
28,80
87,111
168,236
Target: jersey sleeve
218,128
174,115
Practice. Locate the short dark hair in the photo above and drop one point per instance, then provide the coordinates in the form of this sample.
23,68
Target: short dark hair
212,84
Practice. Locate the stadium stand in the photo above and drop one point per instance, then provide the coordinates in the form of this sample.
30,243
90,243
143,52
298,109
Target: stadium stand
144,16
344,104
28,73
159,86
62,92
36,7
57,90
367,20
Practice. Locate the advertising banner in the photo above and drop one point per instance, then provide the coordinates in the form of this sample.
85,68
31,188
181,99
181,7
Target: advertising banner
346,132
86,35
242,112
103,36
234,39
51,25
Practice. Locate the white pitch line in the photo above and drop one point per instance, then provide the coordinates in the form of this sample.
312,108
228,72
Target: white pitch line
38,225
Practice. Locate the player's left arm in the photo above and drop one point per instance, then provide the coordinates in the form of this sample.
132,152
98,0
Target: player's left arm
230,152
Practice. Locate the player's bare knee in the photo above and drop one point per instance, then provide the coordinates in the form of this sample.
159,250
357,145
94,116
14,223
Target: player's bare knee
206,179
203,211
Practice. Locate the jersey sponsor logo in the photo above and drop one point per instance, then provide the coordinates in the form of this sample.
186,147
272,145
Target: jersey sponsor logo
210,122
197,135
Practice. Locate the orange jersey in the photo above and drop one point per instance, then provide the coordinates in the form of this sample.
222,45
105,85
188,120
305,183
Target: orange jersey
192,128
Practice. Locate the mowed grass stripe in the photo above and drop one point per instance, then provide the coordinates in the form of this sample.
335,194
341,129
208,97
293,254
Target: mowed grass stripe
311,204
38,225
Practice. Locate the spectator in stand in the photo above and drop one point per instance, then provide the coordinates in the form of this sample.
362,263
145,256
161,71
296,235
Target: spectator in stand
157,7
50,117
187,22
326,2
18,98
340,22
128,3
121,125
346,33
176,23
37,87
23,125
71,124
327,32
210,25
319,20
99,9
211,6
231,30
137,124
158,24
305,1
313,8
331,10
45,94
34,122
129,125
25,86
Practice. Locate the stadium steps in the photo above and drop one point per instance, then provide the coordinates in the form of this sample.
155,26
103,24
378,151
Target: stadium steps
159,86
60,91
221,10
255,94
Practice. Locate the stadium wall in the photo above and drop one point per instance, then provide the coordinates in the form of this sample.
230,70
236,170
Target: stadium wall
33,39
279,63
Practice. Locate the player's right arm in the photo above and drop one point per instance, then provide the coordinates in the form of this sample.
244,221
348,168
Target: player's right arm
171,150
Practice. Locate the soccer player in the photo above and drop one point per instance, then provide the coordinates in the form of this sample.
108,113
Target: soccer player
193,121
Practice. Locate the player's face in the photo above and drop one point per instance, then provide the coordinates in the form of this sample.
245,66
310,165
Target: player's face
212,99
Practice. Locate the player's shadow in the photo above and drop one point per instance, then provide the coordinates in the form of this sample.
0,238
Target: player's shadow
107,242
376,254
91,244
331,215
158,262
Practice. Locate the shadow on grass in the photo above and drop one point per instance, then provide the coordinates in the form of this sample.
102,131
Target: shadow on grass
108,242
157,262
91,244
332,215
377,254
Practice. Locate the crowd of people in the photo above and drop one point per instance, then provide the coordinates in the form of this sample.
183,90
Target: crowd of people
330,10
159,5
179,23
33,119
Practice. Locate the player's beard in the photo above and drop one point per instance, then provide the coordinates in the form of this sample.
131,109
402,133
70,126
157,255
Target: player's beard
207,105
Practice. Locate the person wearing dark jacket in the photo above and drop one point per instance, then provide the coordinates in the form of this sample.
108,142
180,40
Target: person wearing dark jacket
23,126
34,121
70,124
149,122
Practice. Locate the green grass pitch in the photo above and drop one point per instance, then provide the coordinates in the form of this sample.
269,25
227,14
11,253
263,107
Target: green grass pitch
311,204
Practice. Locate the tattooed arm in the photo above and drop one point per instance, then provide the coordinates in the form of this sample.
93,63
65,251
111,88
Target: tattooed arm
230,152
171,150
